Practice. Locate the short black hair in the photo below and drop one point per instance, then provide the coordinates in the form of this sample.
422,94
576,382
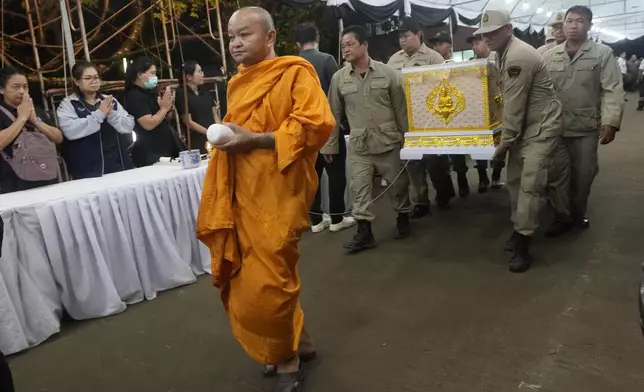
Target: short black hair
140,65
77,73
358,31
188,68
580,10
6,73
305,33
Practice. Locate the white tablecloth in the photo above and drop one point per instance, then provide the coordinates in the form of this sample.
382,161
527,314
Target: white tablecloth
92,246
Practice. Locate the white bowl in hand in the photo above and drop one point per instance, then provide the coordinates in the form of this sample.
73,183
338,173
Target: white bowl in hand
219,134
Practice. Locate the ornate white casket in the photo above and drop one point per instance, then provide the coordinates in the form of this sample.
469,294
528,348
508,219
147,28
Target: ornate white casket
453,108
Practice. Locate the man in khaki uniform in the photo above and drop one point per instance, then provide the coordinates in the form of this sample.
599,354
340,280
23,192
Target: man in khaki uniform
482,51
414,53
372,96
531,126
589,83
556,35
559,172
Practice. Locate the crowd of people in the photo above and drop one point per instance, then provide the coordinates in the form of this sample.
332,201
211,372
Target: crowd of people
560,103
93,131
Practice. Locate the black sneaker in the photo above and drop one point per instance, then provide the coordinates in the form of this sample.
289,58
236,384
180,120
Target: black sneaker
581,222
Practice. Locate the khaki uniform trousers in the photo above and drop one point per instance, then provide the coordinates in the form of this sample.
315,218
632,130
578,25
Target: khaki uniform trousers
363,168
527,175
558,188
584,166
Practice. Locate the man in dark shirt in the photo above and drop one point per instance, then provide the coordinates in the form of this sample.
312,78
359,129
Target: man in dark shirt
307,37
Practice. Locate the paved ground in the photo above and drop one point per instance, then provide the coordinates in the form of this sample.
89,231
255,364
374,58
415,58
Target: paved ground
437,312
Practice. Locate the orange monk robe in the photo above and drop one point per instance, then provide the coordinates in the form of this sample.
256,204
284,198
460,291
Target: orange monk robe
255,206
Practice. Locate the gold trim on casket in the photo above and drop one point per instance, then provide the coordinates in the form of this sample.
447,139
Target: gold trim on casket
449,141
453,97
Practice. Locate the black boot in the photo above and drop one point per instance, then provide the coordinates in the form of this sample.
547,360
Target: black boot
521,258
402,226
363,238
559,227
484,181
509,244
420,211
463,185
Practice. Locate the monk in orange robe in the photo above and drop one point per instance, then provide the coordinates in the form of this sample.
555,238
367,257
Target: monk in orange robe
257,193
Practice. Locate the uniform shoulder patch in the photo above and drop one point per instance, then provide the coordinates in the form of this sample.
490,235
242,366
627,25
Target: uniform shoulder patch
514,71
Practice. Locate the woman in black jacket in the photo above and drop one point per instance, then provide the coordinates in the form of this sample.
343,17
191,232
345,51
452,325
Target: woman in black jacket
155,137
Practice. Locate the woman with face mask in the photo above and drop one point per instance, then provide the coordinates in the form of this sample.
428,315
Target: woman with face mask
155,138
97,129
203,111
28,157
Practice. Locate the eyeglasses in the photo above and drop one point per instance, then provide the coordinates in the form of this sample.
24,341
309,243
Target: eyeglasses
91,78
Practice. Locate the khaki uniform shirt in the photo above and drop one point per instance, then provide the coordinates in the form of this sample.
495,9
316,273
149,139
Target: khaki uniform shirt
530,107
423,56
544,48
375,107
590,87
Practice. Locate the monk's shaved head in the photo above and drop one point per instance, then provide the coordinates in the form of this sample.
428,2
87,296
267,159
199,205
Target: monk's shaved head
259,14
252,35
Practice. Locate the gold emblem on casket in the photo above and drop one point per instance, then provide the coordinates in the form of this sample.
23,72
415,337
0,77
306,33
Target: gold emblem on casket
445,101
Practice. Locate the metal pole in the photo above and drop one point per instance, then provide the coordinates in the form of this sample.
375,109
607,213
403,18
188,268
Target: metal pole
2,31
165,41
222,47
451,32
69,43
36,57
81,21
340,28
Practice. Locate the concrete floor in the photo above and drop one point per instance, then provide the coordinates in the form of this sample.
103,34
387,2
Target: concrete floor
436,312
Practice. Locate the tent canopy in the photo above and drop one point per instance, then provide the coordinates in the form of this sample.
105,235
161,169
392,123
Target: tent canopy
613,20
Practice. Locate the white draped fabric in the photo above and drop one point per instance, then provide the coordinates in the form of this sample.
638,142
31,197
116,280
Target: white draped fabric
93,246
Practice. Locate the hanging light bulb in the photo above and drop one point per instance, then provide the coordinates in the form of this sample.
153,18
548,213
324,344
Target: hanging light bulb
539,10
526,6
124,64
549,14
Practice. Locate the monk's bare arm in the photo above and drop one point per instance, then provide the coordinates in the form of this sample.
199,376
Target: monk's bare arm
265,141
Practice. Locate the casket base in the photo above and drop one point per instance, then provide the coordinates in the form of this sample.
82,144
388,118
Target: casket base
479,144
